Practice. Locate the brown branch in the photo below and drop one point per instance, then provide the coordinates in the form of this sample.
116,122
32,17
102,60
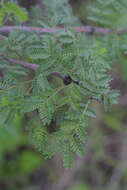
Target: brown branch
66,78
34,67
23,63
5,30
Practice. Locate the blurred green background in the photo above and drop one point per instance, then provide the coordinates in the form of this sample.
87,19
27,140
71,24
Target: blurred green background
103,168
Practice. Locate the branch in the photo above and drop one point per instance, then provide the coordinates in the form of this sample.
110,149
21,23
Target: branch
34,67
66,78
23,63
5,30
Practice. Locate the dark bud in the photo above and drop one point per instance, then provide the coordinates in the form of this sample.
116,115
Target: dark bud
67,80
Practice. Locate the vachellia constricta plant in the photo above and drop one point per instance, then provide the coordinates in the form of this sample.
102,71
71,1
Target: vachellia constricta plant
50,74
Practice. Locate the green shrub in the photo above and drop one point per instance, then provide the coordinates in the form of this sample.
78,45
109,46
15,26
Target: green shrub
71,72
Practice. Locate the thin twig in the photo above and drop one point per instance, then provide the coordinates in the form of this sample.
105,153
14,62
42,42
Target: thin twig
34,67
5,30
23,63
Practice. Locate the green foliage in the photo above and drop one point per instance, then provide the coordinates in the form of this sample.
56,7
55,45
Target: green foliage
110,13
67,156
10,9
60,12
56,113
